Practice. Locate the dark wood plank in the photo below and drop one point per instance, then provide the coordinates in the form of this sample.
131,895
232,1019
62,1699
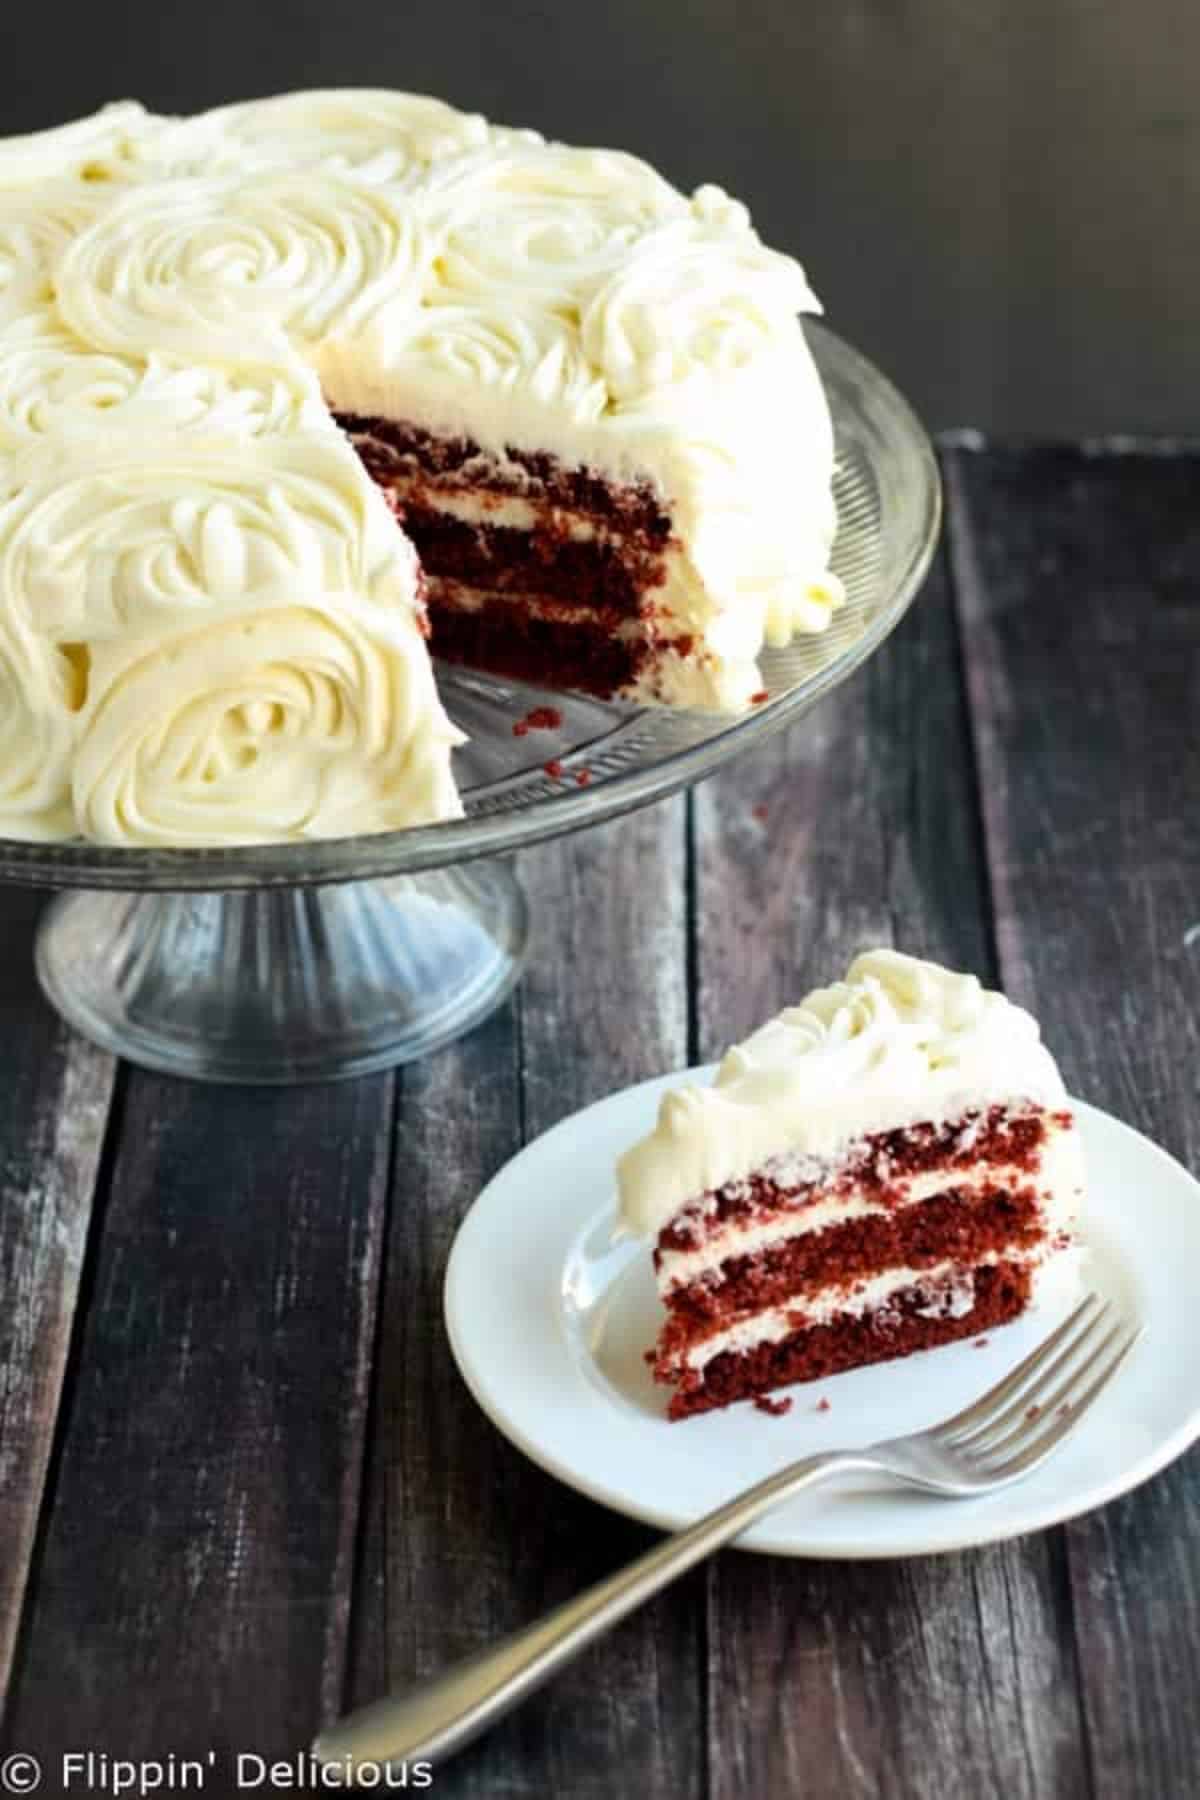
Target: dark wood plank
197,1561
55,1092
860,827
425,1572
465,1539
1078,578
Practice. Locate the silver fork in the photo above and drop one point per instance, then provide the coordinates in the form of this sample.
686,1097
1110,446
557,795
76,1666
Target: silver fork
1004,1435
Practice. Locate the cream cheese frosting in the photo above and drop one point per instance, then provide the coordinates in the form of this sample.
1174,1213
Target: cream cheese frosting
194,294
212,640
54,385
896,1042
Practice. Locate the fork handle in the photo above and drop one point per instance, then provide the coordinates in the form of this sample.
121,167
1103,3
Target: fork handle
440,1715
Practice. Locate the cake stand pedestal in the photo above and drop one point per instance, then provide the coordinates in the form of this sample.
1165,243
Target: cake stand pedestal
286,984
309,961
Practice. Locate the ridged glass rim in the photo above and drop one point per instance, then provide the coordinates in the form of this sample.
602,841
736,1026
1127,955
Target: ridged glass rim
911,507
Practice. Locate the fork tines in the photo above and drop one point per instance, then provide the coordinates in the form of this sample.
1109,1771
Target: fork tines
1022,1418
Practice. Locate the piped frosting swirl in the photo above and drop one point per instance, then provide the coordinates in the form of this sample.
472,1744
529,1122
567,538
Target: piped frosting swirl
215,641
898,1041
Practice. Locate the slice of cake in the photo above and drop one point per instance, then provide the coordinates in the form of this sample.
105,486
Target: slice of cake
890,1165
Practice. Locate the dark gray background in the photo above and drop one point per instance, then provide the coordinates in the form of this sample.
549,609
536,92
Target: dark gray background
998,202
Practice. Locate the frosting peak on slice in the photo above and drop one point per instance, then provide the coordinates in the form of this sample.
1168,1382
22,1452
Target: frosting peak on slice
898,1041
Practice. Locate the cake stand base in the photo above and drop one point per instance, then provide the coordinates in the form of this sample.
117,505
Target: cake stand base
286,985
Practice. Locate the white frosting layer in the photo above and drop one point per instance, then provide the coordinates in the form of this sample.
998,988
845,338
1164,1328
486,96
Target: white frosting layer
898,1041
176,279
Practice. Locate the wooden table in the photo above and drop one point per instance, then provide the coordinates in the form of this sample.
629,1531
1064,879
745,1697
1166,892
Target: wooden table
241,1484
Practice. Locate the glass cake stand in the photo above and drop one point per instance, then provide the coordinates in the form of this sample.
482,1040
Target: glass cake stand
308,961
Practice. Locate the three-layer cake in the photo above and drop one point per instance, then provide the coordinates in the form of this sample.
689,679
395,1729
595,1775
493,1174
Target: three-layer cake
890,1165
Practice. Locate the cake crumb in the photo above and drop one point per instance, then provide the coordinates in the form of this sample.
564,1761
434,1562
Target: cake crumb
553,768
542,718
980,1342
759,812
582,777
760,697
822,1405
776,1408
1033,1412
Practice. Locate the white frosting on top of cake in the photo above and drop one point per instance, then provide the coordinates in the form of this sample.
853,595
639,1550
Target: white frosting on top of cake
899,1041
211,640
103,146
172,292
54,386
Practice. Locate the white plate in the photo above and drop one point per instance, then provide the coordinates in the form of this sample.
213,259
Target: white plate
548,1324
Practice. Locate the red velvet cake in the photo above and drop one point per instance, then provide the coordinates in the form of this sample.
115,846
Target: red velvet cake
890,1166
533,569
588,399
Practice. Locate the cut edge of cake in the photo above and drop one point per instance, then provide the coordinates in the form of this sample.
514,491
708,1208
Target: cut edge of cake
645,555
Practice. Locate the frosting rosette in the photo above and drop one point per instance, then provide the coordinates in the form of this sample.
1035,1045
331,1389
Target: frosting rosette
105,146
698,296
373,133
222,267
51,382
540,223
278,722
39,694
451,348
36,226
140,532
221,642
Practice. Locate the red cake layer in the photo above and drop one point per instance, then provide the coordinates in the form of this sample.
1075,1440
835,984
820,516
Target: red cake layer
507,623
549,652
985,1213
961,1225
813,1352
458,465
613,579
